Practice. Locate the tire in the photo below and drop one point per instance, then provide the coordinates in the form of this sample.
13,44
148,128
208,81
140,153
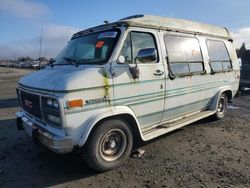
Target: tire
109,145
221,107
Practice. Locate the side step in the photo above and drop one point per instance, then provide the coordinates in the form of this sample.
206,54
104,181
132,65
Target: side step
169,126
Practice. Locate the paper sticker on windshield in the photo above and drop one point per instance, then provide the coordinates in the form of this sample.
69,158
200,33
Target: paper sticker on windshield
99,44
109,34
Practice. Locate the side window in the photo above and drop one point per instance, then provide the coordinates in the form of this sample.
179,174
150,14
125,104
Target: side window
219,58
184,55
127,49
134,42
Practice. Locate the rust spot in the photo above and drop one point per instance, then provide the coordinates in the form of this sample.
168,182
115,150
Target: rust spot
106,86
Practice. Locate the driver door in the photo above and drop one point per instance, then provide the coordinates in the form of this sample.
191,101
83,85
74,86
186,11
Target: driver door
145,94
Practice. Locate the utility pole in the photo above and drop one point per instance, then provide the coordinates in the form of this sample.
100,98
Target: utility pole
40,49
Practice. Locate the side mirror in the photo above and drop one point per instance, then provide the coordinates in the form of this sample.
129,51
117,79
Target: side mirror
147,55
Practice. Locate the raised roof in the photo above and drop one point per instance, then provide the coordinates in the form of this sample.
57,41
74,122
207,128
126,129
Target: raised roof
164,23
174,24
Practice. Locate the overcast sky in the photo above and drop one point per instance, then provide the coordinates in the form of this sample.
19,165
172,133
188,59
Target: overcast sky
22,20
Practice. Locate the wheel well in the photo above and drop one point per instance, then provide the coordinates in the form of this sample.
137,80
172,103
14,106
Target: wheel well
229,95
124,117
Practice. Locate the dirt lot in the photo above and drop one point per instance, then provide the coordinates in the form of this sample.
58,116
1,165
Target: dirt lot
204,154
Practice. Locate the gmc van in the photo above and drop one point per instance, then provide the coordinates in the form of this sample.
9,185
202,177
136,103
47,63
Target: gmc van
142,76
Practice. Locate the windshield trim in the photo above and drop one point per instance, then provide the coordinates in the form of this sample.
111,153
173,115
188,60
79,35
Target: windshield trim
109,55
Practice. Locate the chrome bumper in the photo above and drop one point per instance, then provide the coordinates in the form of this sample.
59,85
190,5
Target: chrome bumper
55,143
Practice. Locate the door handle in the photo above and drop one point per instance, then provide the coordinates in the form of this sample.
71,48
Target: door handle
158,73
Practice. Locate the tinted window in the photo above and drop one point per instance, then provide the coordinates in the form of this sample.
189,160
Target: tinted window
184,54
179,68
219,58
216,66
182,49
227,65
217,51
196,67
134,42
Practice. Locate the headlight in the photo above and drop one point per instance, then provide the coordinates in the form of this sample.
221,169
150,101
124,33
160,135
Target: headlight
51,112
54,119
52,103
55,104
49,102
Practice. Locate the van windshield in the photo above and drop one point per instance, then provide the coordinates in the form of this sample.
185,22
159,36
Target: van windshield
94,48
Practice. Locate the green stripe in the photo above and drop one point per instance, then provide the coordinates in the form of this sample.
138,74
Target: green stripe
101,86
163,111
167,95
88,88
138,82
147,94
141,101
150,98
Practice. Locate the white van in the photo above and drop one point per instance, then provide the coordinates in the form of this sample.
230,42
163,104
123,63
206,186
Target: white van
139,77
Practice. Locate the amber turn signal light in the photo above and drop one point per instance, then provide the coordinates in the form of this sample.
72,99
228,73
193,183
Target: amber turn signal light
75,103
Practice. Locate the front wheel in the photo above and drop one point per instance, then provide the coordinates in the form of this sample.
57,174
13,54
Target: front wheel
109,145
221,107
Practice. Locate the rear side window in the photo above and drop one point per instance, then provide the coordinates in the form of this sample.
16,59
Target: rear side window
134,42
219,58
184,55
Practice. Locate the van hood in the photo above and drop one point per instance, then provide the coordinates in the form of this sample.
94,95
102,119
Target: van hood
64,78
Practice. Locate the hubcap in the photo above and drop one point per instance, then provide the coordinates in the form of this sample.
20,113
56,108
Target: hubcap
221,105
113,145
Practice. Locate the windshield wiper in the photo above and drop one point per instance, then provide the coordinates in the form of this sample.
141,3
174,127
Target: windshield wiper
72,61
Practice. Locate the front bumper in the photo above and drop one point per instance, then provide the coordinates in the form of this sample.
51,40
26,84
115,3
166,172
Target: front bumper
58,144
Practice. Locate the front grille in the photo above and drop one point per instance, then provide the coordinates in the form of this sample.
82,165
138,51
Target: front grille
31,103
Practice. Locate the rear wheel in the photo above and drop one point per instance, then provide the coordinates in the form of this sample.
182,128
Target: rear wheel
109,145
221,107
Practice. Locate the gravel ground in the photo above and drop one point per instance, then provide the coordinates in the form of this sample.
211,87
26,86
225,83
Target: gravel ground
204,154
